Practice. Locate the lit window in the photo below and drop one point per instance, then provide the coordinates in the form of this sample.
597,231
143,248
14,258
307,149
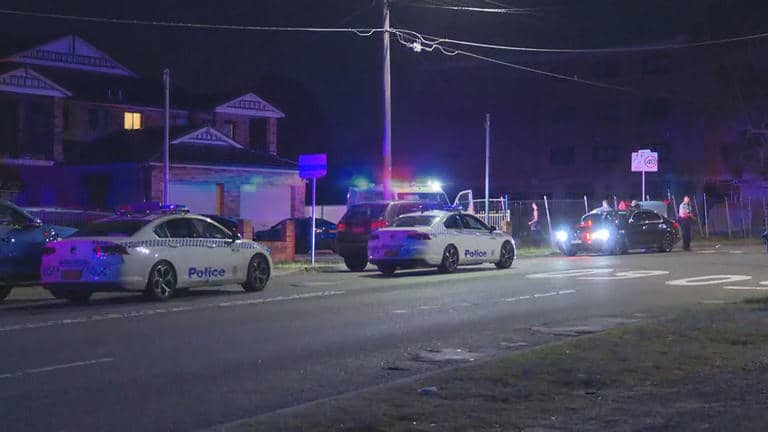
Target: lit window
132,121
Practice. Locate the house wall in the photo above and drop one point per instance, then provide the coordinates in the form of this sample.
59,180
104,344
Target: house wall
232,181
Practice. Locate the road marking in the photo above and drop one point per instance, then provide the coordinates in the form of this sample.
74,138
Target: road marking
736,252
55,367
708,280
632,274
712,301
547,294
709,251
399,311
746,288
569,273
428,307
148,312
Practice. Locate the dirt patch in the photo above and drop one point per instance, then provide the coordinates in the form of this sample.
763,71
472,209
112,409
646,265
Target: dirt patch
704,369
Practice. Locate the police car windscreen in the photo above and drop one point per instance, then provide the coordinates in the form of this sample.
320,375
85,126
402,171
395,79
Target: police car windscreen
112,228
433,197
414,221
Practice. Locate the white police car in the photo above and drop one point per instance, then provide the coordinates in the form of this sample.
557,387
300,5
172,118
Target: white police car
157,253
439,238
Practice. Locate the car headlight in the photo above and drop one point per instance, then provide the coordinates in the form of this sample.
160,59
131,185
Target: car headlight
602,234
561,236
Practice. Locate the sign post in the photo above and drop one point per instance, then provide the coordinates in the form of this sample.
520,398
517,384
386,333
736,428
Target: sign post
313,166
642,161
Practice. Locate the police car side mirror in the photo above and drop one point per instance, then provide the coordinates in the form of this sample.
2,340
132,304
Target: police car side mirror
492,228
234,236
32,224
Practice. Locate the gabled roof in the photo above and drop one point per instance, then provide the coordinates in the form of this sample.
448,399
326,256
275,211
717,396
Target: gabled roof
146,146
250,105
71,52
26,81
208,136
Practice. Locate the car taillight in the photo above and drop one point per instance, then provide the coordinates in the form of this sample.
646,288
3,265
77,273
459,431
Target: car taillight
378,224
676,225
105,250
48,250
419,236
374,237
341,227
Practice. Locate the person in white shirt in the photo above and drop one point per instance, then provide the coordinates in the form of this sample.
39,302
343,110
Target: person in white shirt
686,218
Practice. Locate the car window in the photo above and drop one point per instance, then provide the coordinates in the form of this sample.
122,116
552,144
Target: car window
414,221
181,228
453,222
644,216
209,230
401,209
112,228
161,231
471,222
362,213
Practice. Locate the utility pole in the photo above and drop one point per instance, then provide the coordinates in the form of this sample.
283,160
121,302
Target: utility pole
487,165
166,132
387,138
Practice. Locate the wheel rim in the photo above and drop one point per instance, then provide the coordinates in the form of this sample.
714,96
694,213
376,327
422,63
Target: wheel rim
163,281
667,243
506,253
259,272
451,258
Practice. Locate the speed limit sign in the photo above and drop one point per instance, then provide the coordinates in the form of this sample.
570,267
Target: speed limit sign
645,161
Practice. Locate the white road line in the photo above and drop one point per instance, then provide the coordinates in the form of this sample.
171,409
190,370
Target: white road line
148,312
712,301
547,294
399,311
55,367
736,252
706,251
746,288
428,307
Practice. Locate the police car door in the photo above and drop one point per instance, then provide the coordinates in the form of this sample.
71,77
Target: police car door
224,257
476,249
455,235
187,252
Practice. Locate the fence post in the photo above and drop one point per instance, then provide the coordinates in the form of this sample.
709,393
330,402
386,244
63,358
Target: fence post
706,215
586,205
674,206
741,214
749,207
728,218
549,221
615,203
698,215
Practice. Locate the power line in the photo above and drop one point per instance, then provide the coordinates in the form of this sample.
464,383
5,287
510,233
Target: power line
436,40
416,45
358,31
475,9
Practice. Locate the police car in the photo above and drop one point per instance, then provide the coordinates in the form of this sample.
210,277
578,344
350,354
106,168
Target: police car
157,252
438,238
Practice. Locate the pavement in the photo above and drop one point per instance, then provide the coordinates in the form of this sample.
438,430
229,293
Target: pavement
215,356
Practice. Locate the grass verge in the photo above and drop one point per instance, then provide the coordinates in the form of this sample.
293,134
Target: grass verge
704,369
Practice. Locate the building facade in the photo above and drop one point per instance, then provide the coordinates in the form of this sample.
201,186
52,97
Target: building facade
80,130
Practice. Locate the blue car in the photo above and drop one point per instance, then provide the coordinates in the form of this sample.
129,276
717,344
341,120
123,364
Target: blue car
22,238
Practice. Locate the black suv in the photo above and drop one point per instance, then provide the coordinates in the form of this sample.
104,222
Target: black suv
355,227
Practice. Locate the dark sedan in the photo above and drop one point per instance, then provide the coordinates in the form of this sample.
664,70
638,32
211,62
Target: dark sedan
618,231
325,234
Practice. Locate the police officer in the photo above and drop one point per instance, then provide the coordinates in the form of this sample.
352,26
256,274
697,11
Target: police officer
686,218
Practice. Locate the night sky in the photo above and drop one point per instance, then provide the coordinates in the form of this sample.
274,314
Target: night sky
329,85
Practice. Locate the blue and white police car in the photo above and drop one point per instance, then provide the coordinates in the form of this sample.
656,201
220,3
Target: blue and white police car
155,252
439,238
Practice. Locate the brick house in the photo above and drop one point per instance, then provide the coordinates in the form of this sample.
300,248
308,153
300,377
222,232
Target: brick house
78,129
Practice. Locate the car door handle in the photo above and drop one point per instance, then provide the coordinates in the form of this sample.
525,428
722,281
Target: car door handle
173,244
211,245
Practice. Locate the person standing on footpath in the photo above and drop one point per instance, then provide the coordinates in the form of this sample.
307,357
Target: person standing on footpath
686,218
534,224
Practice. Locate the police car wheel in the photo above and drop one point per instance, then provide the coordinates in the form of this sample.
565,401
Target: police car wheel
450,260
162,281
667,243
356,263
258,274
387,269
506,256
4,292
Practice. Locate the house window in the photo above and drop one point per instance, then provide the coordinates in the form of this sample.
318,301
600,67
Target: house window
229,129
132,121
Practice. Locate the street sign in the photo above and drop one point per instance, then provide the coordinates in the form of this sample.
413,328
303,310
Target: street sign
645,160
312,166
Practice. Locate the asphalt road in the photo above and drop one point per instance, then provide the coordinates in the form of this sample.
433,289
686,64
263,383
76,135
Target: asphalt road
216,356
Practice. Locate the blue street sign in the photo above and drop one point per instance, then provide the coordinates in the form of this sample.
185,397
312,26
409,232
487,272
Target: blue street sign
313,165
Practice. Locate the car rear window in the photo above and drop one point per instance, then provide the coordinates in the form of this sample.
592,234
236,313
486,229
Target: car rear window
362,213
111,228
414,221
